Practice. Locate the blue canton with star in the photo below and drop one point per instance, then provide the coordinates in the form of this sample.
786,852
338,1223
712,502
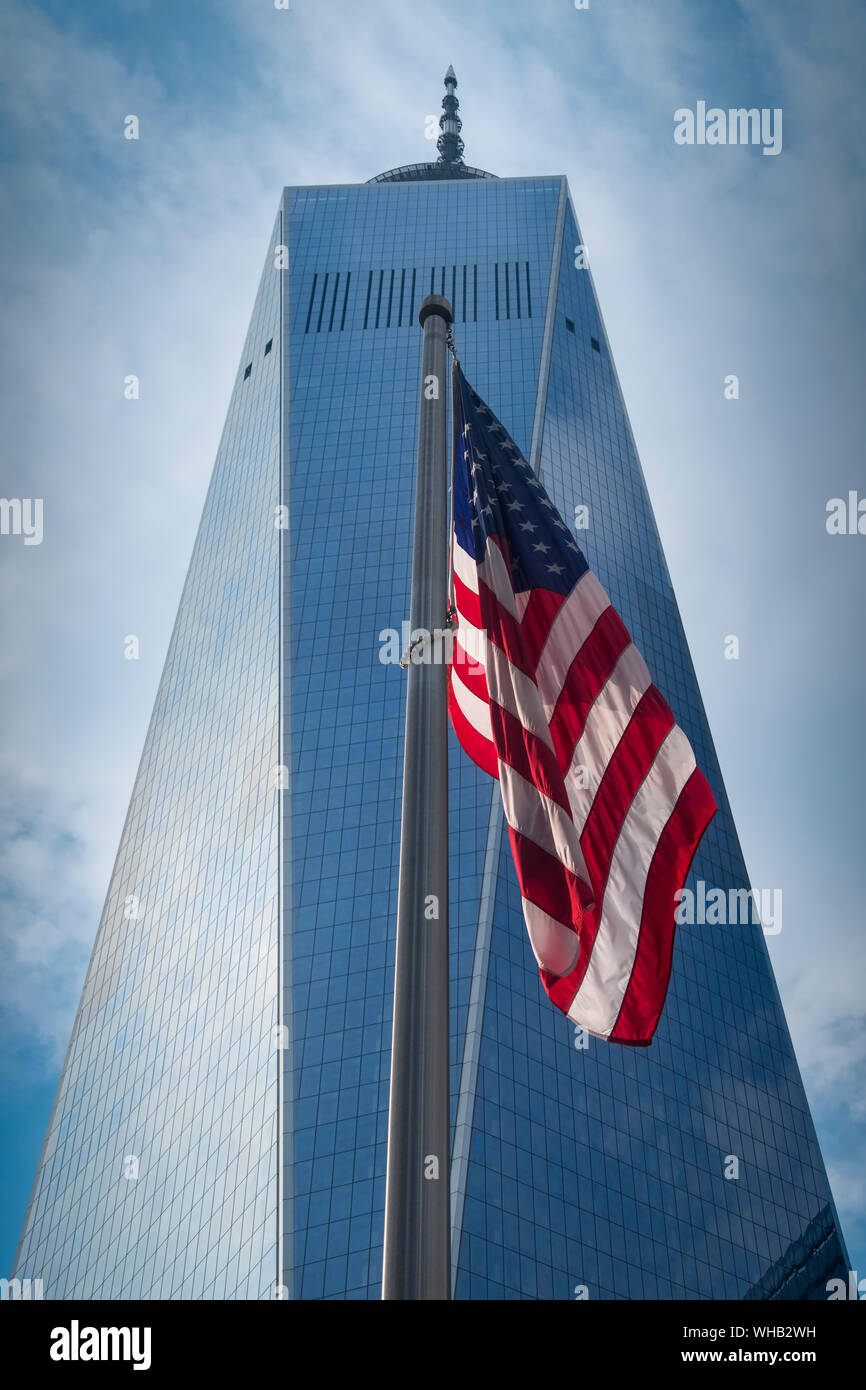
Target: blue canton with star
497,494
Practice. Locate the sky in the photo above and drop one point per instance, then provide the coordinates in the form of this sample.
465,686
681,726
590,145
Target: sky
143,256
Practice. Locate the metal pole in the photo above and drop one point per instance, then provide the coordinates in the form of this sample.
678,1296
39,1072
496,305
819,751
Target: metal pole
417,1258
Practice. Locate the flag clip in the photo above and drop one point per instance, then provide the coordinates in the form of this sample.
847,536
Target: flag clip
415,653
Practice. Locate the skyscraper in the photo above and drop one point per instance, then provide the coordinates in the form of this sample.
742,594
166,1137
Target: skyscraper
220,1123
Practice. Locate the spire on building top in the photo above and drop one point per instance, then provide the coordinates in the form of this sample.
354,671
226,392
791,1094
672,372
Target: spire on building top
450,164
449,144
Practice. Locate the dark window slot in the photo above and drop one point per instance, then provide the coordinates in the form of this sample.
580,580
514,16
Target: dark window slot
411,318
345,299
312,298
402,291
334,302
369,292
322,305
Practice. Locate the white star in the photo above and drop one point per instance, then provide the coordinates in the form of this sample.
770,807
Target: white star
541,547
528,526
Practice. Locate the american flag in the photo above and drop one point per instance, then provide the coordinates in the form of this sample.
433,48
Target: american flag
604,802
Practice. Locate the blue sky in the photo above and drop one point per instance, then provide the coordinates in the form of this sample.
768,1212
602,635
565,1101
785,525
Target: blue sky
123,256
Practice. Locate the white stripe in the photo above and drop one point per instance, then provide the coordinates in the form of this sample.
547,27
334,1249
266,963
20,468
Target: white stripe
605,725
597,1003
494,573
476,711
473,640
517,693
555,946
521,603
538,818
569,630
464,566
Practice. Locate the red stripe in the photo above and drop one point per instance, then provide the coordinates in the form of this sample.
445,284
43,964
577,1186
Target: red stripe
479,748
623,777
587,676
467,602
546,881
522,642
470,672
645,994
562,989
529,755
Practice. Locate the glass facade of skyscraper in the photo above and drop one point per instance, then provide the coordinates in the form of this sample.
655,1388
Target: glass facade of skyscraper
234,1033
158,1178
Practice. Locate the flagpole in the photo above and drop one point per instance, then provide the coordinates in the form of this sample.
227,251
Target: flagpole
417,1255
